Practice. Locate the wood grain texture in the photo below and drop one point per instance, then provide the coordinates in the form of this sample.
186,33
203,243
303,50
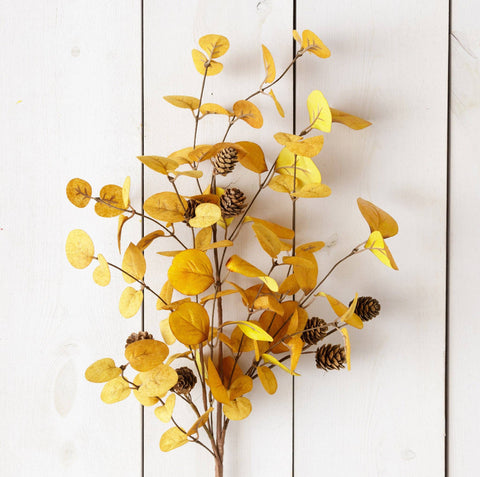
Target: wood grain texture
169,70
389,65
70,104
464,373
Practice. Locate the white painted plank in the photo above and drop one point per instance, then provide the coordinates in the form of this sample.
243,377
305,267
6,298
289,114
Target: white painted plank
70,103
388,64
464,373
172,30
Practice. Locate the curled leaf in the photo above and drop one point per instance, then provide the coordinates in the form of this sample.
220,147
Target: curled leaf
377,219
280,110
144,242
270,359
269,65
353,122
200,422
378,247
238,265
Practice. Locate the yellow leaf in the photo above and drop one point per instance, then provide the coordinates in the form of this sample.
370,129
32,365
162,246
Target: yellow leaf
268,302
347,347
126,192
313,44
231,370
166,292
278,230
144,242
166,332
312,191
283,183
158,381
249,113
130,302
310,247
309,147
121,222
199,154
353,122
195,174
142,398
254,159
201,63
102,371
206,198
203,238
206,299
297,36
289,286
215,384
112,205
187,102
284,138
377,219
200,422
251,330
238,409
341,311
175,356
301,262
269,65
295,344
191,272
277,104
181,156
267,378
267,239
164,413
79,192
159,163
79,249
172,439
238,265
144,355
220,244
216,148
319,111
190,323
378,247
270,359
240,386
101,275
306,170
170,253
212,108
133,263
166,206
115,390
206,215
214,45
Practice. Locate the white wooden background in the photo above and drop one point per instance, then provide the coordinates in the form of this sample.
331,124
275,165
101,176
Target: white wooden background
71,82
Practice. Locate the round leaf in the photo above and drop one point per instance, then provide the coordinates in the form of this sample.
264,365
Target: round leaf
102,371
112,205
172,439
239,409
144,355
249,113
187,102
79,249
134,264
214,45
191,272
319,111
206,215
268,379
158,381
190,323
166,206
143,399
101,275
254,158
115,390
130,302
200,61
79,192
164,413
313,44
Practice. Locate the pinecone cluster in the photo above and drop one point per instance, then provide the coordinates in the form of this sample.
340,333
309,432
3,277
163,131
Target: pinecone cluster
141,335
224,162
190,212
367,308
186,380
329,357
232,202
315,330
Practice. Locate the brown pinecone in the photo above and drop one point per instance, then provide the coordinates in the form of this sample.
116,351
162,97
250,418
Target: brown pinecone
224,162
141,335
315,330
186,380
232,202
367,307
329,357
190,212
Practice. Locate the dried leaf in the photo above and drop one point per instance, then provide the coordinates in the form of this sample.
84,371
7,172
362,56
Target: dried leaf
126,192
214,45
268,302
115,390
144,242
378,247
220,244
313,44
143,398
252,330
377,219
270,359
267,378
284,138
353,122
164,413
297,36
203,238
200,422
158,381
101,274
283,183
319,111
348,348
238,265
199,154
219,294
144,355
191,272
112,205
310,247
278,230
190,323
306,170
313,191
254,159
206,215
231,370
187,102
79,249
295,344
172,439
309,147
240,386
170,253
79,192
102,371
201,62
249,113
277,104
289,286
215,384
268,240
134,264
341,310
122,219
130,302
159,164
166,332
212,108
175,356
195,174
269,65
166,206
238,409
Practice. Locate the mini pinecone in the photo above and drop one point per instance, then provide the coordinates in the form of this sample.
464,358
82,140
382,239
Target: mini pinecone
224,162
141,335
190,212
186,380
232,202
329,357
367,308
313,336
